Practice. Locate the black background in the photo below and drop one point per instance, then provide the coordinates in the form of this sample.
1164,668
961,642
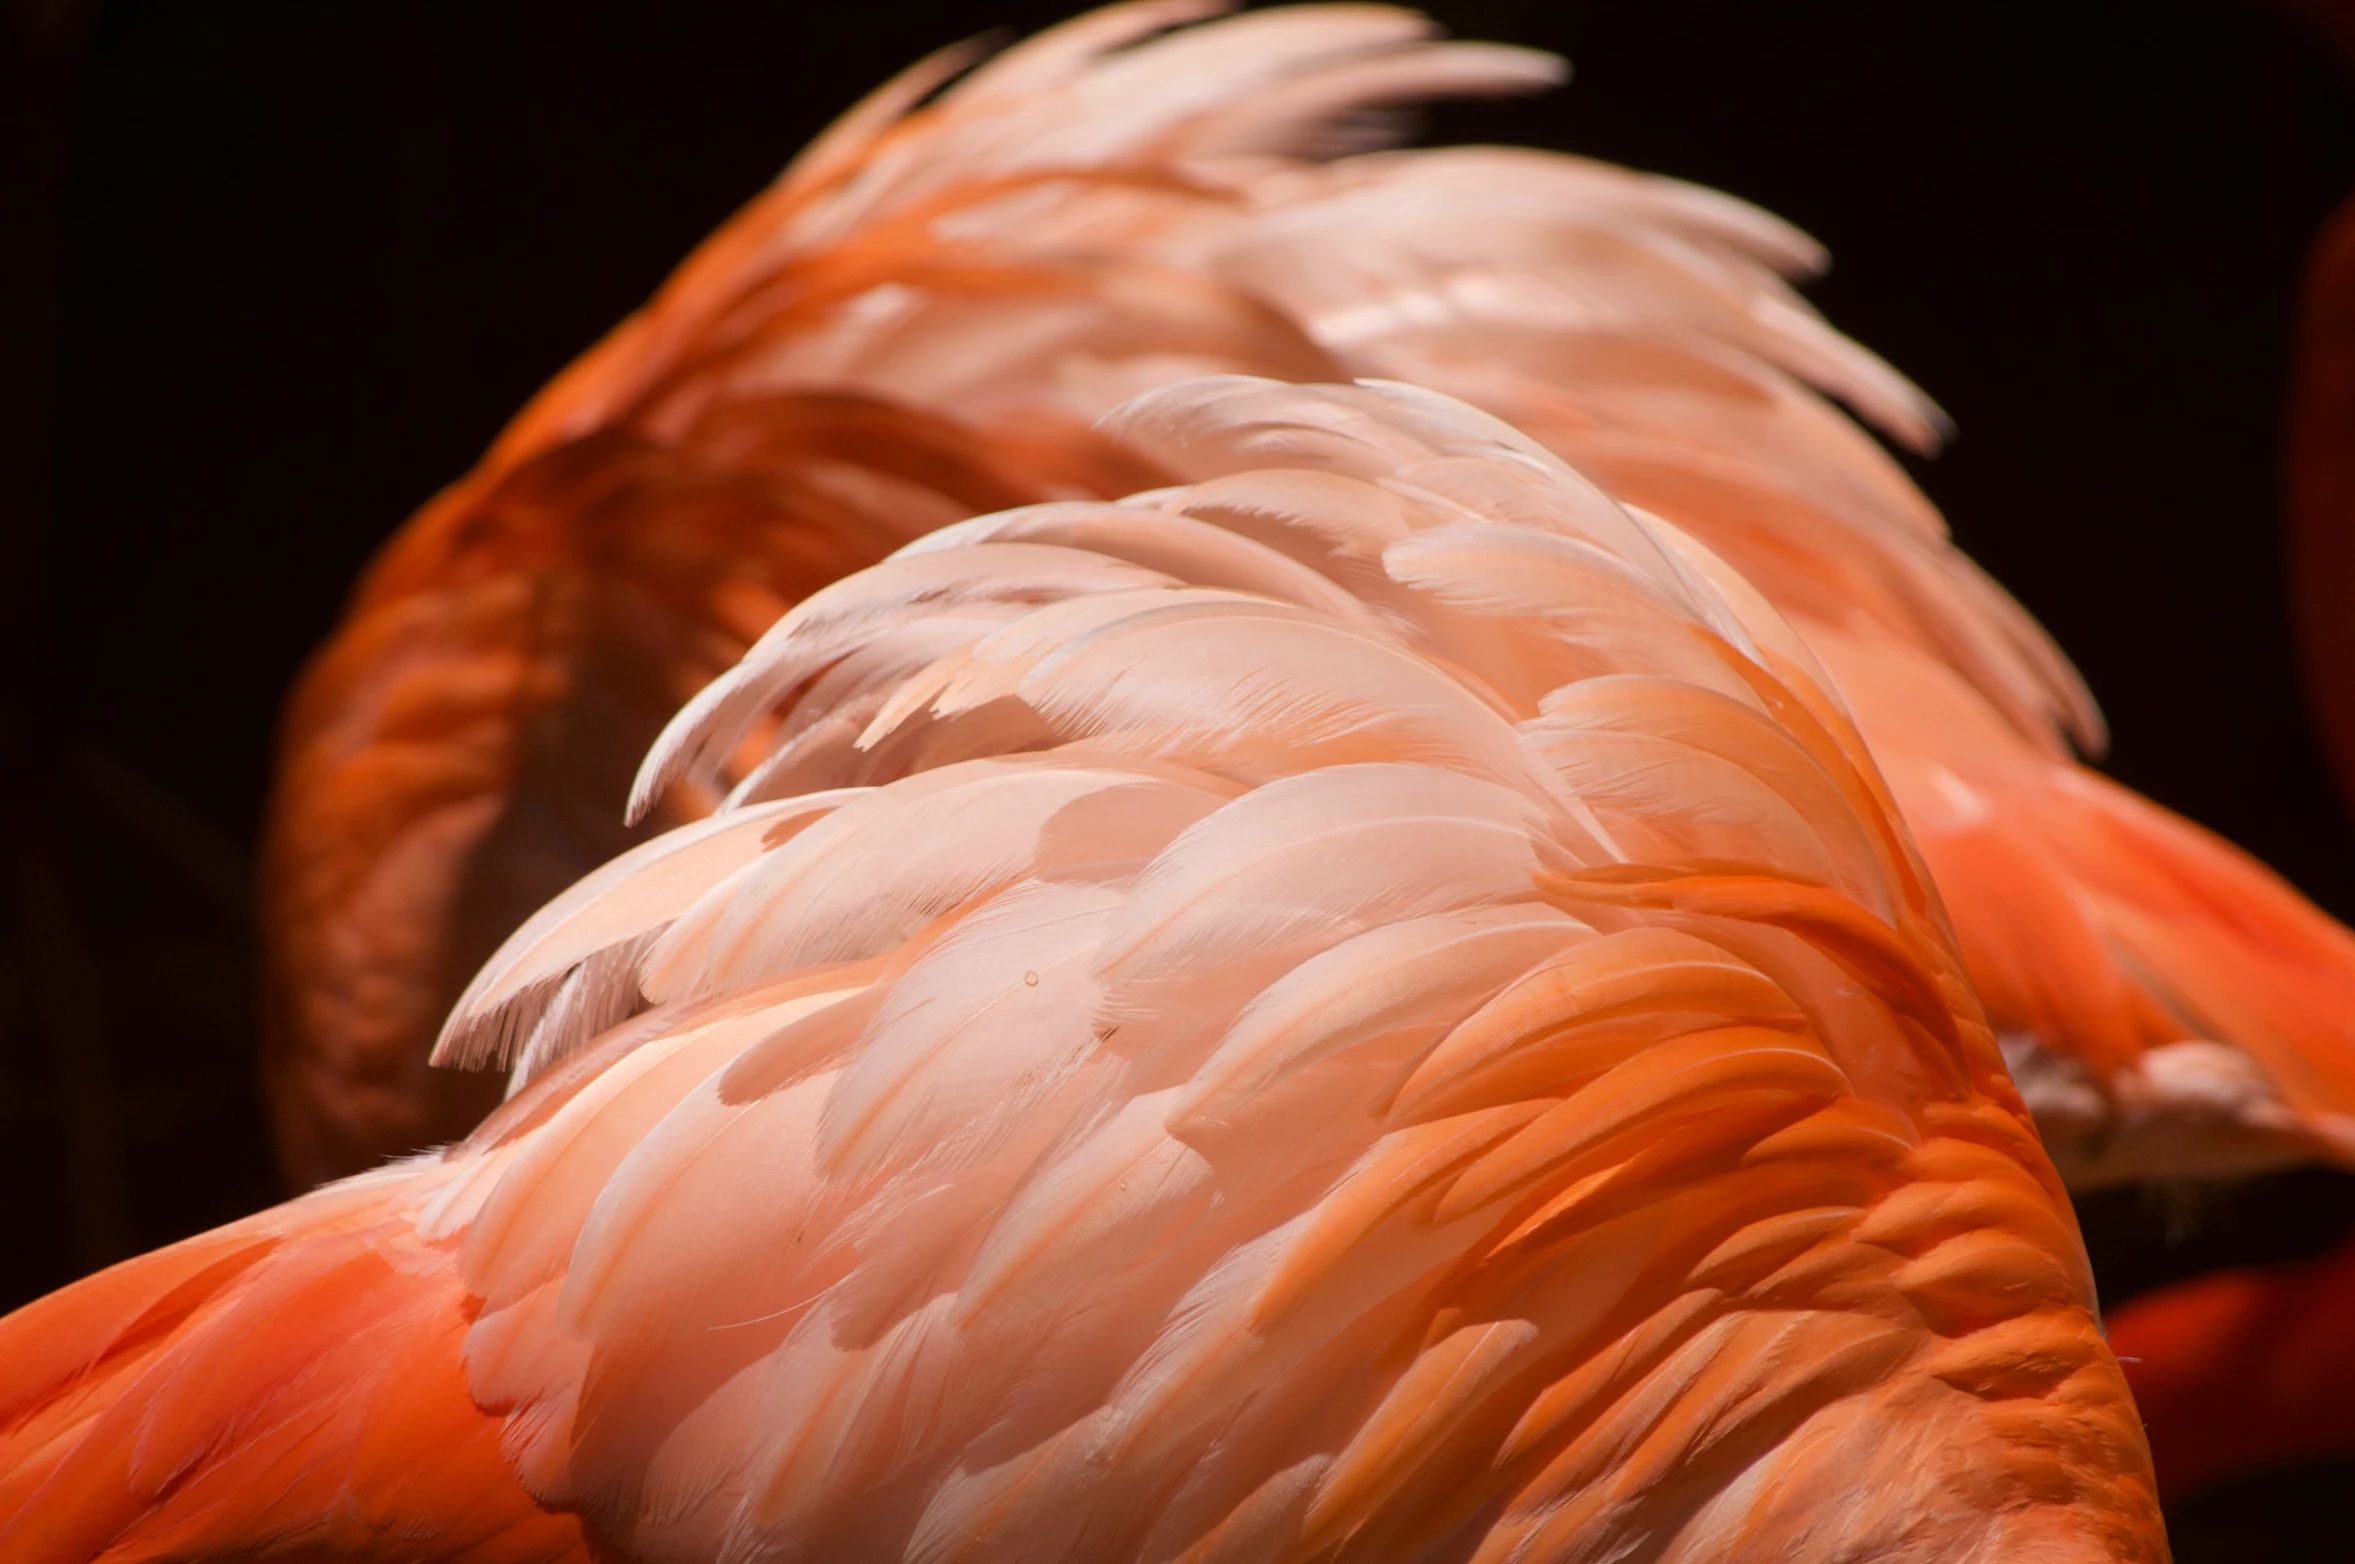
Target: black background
275,274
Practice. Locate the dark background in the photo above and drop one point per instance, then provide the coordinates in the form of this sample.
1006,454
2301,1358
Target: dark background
273,274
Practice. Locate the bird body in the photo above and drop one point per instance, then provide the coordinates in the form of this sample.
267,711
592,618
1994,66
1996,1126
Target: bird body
922,319
1366,1004
1371,999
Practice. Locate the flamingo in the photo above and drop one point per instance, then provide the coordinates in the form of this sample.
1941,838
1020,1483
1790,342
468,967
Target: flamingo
1366,1002
924,316
923,319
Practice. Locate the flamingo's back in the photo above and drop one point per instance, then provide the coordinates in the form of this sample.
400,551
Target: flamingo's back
1370,1005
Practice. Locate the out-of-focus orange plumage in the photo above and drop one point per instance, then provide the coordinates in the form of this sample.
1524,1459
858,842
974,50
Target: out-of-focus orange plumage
2243,1370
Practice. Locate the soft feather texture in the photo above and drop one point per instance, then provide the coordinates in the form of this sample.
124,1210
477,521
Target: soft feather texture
1298,1122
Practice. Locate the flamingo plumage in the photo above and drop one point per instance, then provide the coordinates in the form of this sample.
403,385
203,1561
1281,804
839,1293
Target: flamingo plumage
1368,1003
925,319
